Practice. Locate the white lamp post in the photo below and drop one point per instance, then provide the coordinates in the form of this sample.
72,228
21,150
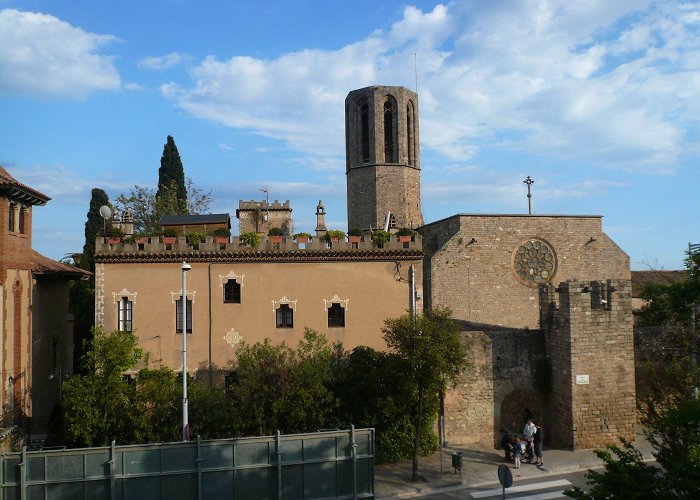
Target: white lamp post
185,420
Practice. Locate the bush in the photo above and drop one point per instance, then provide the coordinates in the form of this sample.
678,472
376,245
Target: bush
302,234
406,231
275,231
251,239
355,231
380,237
222,231
169,233
115,232
196,238
334,234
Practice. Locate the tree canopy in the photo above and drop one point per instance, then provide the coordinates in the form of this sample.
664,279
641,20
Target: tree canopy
432,354
171,174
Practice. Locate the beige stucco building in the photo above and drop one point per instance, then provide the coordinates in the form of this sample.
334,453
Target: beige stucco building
239,293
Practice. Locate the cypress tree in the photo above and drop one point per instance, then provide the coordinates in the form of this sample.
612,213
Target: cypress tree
171,174
93,228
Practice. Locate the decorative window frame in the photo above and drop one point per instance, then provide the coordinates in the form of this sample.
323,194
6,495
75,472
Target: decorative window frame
223,278
284,300
327,303
117,296
175,296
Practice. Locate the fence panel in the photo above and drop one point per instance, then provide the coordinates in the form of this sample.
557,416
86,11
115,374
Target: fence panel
335,464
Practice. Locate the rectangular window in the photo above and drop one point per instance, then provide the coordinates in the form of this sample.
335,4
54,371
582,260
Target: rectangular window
178,315
232,292
285,316
22,215
336,316
11,215
125,310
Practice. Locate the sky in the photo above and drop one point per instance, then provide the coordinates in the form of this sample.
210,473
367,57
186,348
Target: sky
597,101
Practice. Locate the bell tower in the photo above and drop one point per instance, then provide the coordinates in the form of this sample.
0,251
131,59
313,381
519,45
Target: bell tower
382,158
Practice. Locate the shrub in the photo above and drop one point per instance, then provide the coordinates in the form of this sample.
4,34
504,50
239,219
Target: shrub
380,237
334,234
355,231
222,231
196,238
275,231
169,233
115,232
251,239
302,234
406,231
129,239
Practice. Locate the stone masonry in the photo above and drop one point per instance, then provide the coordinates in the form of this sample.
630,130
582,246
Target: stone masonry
590,347
383,157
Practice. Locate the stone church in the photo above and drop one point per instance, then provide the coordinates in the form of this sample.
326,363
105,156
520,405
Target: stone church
544,300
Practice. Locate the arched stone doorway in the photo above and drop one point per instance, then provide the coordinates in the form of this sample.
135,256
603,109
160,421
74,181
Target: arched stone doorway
517,406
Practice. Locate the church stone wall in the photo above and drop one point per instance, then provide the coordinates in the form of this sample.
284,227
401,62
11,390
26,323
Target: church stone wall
507,376
469,259
590,347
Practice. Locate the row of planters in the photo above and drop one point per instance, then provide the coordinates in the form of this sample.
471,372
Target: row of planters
222,235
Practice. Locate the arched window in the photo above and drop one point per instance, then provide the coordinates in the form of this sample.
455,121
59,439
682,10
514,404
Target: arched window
410,138
389,156
232,292
126,307
364,139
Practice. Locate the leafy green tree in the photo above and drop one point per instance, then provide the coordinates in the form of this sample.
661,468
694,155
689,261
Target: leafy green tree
147,208
98,406
213,413
158,399
171,175
433,356
625,476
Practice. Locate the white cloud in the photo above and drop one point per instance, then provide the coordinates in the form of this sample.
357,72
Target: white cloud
225,147
161,62
41,55
611,83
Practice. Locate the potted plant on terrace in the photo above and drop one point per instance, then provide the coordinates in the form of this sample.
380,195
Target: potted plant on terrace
380,238
334,235
354,235
405,234
275,235
250,239
114,235
221,234
302,237
195,239
169,236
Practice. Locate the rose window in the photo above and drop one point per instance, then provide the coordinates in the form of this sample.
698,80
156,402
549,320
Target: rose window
534,262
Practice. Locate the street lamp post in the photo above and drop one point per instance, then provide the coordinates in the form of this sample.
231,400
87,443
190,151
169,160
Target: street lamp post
185,419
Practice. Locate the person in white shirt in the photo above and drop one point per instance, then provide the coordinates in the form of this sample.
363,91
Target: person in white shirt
529,429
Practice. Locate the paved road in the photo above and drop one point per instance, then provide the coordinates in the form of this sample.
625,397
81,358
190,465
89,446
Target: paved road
531,489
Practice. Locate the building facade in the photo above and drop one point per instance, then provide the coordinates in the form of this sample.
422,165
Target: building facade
237,293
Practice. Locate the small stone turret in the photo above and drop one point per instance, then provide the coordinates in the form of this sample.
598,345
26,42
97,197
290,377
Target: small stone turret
321,229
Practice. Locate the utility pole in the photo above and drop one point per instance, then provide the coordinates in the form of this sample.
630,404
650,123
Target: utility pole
529,183
692,249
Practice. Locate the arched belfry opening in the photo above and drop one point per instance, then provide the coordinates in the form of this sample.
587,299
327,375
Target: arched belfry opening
382,157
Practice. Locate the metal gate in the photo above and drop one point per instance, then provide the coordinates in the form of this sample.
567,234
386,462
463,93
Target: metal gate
335,464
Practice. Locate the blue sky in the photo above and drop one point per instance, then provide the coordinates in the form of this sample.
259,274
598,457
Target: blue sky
597,101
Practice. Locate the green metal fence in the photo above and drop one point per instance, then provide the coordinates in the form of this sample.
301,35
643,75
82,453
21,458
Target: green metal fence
335,464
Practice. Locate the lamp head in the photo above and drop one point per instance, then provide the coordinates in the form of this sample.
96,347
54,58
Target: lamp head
185,266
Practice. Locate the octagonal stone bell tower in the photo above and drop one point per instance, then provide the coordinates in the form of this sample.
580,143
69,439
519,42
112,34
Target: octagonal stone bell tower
382,158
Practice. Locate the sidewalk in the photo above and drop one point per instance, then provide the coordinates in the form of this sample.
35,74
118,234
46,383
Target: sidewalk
480,468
